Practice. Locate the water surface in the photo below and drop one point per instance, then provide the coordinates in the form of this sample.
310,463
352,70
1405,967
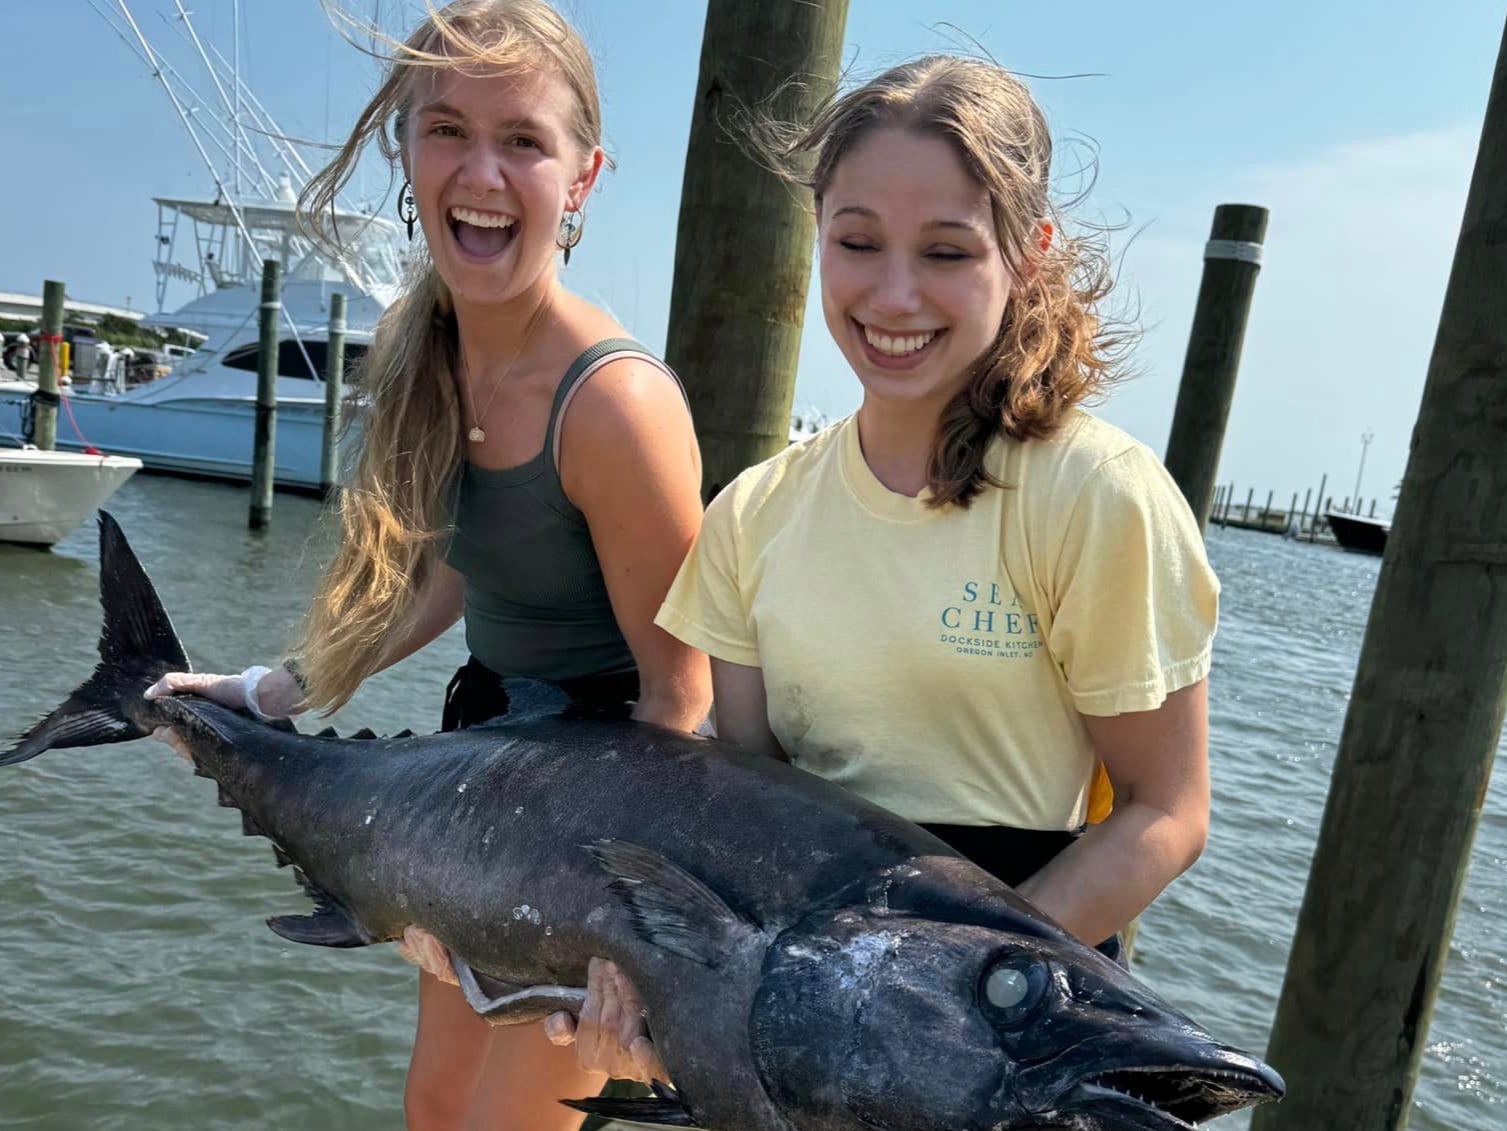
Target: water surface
141,990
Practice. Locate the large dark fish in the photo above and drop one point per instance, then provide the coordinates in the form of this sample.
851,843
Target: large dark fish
808,961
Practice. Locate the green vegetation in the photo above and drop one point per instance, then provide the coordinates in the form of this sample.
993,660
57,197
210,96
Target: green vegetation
120,331
112,328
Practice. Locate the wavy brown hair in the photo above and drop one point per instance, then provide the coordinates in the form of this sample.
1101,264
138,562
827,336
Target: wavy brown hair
393,510
1054,349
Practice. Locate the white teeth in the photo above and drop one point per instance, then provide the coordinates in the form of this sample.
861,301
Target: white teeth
482,219
897,347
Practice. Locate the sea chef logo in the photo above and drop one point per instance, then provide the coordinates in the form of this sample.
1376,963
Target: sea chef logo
986,619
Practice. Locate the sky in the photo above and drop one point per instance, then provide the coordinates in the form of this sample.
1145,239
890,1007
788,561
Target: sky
1355,122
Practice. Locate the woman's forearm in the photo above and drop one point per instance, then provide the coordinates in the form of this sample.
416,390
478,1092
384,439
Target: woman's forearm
1113,871
680,704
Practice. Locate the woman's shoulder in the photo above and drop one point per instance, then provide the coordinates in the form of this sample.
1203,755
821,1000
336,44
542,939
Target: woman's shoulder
1084,451
767,489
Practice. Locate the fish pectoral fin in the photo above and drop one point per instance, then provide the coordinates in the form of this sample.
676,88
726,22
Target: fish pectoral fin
330,925
667,1111
670,907
509,1003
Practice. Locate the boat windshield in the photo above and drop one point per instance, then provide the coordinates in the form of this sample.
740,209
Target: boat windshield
226,246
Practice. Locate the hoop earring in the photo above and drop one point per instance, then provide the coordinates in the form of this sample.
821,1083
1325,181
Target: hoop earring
570,232
408,209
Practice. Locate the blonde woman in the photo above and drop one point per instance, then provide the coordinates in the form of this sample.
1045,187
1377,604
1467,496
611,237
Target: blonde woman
522,464
971,598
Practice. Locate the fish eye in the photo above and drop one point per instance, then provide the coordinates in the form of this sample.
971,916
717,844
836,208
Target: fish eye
1006,988
1012,988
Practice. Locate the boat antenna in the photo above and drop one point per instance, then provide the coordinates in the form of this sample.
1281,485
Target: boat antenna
232,108
235,23
196,102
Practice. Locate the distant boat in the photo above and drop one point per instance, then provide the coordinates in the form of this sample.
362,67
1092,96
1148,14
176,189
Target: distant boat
1363,535
44,495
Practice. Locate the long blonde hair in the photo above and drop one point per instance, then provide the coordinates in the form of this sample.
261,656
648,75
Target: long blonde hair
1054,348
393,510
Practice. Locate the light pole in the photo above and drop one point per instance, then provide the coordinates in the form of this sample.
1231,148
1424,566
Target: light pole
1365,441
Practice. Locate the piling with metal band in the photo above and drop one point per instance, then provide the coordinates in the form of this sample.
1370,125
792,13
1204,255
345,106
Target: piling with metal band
334,379
45,427
743,244
1232,259
264,451
1424,719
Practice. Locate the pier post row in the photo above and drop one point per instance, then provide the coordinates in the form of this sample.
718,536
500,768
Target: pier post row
264,449
737,304
1424,720
1232,258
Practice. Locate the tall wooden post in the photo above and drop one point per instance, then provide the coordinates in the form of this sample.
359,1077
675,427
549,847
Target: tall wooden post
1232,259
743,245
334,379
1318,508
264,450
46,400
1424,720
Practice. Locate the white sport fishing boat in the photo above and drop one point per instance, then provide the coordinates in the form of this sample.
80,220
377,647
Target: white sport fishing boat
198,417
44,495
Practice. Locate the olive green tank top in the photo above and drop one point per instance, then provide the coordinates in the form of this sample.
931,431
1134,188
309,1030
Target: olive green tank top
536,603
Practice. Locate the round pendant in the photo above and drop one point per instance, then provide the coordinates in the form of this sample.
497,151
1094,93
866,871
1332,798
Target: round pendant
477,436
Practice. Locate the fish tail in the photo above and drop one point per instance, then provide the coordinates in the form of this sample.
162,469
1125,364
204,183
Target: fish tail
136,647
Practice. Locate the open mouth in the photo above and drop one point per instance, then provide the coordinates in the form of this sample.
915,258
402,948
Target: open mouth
896,350
481,236
1171,1099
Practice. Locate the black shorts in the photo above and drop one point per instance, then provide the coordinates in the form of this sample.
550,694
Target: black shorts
1015,855
476,694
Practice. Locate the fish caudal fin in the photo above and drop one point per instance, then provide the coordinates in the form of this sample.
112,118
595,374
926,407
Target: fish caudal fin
136,647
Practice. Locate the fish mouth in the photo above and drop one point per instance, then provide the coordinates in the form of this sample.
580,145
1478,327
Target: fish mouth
1172,1098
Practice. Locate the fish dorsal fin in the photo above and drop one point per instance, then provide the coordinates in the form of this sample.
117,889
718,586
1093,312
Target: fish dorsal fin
670,907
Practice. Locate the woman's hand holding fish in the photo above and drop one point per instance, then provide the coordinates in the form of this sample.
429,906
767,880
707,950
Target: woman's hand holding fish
427,953
611,1035
277,694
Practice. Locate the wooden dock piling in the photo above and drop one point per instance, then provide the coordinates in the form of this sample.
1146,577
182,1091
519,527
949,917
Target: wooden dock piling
46,399
334,380
264,448
1318,508
736,347
1424,719
1232,258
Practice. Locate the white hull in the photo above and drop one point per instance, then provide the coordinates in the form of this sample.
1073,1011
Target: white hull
212,438
44,495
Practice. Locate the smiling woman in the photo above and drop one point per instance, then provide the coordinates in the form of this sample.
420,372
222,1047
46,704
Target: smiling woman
522,463
989,612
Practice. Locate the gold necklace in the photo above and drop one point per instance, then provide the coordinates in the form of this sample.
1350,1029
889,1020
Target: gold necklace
478,434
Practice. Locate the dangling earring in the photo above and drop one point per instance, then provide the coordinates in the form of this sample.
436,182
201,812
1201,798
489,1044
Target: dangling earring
408,209
570,232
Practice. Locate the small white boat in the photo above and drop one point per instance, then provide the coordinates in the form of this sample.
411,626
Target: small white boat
44,495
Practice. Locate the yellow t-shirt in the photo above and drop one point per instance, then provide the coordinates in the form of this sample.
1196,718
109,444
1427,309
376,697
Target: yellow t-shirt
938,662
